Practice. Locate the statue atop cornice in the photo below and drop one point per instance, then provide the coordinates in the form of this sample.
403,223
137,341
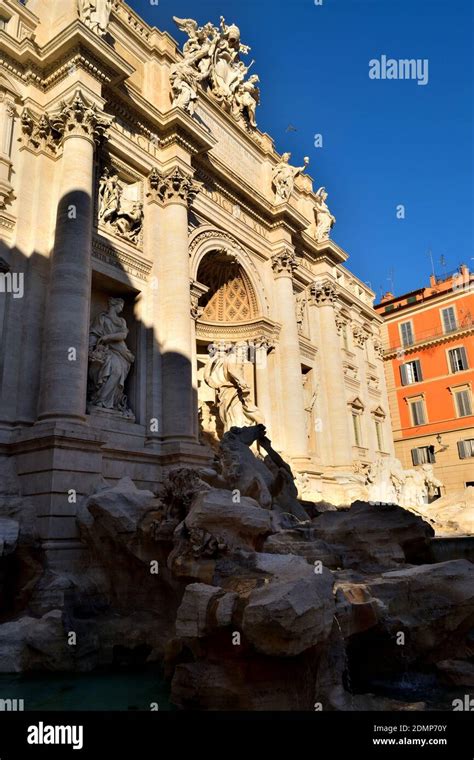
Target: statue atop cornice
284,175
95,14
211,56
325,221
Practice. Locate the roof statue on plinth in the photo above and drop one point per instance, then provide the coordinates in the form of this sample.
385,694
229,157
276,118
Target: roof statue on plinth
211,56
284,175
95,14
325,221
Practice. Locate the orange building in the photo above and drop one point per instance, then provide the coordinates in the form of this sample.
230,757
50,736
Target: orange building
429,366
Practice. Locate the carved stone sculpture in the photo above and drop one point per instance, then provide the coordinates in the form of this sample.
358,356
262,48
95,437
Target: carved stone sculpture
211,56
95,14
284,175
123,217
109,360
325,221
233,394
270,482
388,482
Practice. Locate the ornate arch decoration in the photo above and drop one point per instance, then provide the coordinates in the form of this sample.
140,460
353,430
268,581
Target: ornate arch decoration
207,239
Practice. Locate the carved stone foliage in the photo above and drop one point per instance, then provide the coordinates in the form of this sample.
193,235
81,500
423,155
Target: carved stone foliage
341,322
325,221
378,348
284,175
323,292
120,209
284,262
211,57
360,335
109,361
44,131
80,117
172,187
95,14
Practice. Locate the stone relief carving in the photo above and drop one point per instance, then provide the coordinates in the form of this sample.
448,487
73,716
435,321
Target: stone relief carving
119,208
325,221
388,482
211,56
233,395
284,175
95,14
109,361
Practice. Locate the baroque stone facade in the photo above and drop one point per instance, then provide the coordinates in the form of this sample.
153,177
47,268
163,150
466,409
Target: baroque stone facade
178,273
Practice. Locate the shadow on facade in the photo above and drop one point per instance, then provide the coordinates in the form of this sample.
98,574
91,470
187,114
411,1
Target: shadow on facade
39,384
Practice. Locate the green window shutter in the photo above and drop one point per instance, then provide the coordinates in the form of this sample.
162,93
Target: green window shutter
403,374
462,450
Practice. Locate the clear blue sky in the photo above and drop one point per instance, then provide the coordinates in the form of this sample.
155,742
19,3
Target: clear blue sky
385,143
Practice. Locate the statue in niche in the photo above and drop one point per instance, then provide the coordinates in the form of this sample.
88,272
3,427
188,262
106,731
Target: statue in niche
128,223
110,191
325,221
109,360
95,14
284,175
117,210
233,395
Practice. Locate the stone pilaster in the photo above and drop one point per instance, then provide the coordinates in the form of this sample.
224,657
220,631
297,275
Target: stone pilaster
175,189
151,229
262,346
65,354
323,295
294,424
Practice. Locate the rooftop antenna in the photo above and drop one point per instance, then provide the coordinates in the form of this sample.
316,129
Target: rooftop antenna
430,254
390,278
442,261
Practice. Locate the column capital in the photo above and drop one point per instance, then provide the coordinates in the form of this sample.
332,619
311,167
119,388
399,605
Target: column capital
323,292
79,117
284,262
174,186
360,335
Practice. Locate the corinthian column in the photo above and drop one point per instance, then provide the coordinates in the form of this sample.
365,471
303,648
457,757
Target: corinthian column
324,296
296,444
175,189
65,354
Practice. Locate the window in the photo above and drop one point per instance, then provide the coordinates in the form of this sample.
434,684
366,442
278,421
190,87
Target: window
466,448
389,308
379,433
356,428
411,299
423,455
406,331
463,402
411,372
457,359
449,319
418,414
